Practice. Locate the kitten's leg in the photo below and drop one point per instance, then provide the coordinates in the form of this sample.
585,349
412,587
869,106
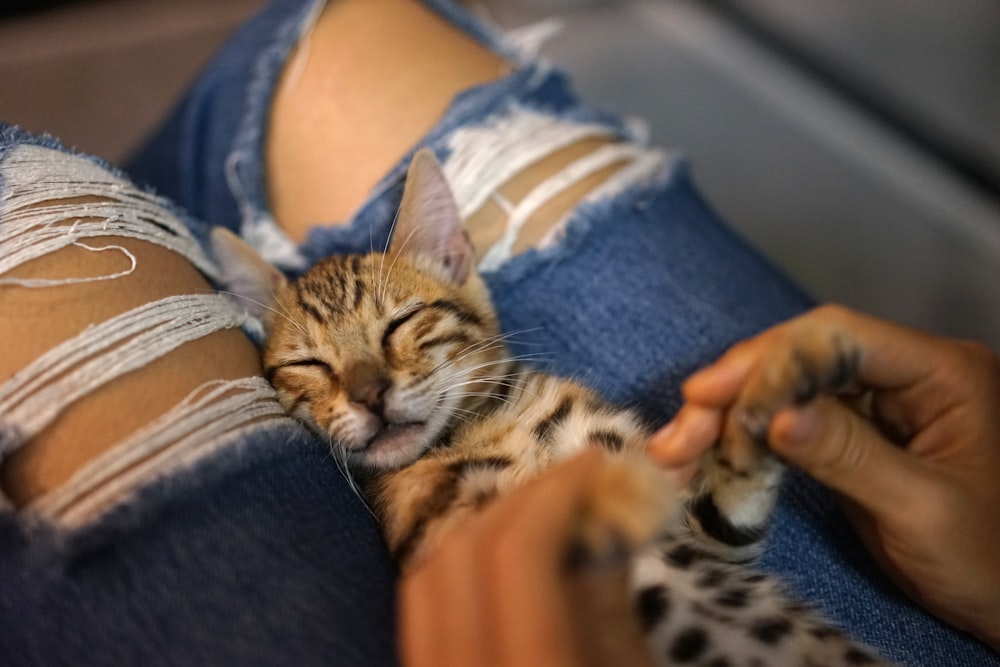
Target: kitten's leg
737,487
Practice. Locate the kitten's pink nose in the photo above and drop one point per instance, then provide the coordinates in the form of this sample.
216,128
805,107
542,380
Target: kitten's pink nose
366,385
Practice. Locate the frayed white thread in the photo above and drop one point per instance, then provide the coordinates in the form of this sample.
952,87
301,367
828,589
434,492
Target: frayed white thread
645,166
503,203
51,282
576,171
484,157
39,217
207,420
38,393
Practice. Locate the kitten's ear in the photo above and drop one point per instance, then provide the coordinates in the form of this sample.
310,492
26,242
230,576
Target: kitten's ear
245,273
428,224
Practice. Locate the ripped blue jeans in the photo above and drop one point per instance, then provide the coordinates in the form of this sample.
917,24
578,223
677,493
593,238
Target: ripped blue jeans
224,533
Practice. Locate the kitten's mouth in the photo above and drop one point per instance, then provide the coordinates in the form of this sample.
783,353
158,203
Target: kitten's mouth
394,441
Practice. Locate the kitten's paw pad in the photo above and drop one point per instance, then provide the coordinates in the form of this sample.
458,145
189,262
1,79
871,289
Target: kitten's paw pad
628,506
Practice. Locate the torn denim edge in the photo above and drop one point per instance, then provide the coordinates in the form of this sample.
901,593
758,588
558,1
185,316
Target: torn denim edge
39,214
210,418
606,156
257,445
589,217
166,224
13,137
72,369
38,393
244,166
645,165
486,155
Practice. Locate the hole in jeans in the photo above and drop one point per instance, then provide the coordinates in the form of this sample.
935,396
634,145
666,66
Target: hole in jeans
519,175
120,366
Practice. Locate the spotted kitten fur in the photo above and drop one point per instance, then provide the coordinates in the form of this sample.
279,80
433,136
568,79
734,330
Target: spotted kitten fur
399,360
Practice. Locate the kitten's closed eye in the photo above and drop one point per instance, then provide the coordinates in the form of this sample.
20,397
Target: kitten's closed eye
308,363
408,314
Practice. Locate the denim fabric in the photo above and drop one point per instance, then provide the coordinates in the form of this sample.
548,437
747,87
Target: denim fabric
269,559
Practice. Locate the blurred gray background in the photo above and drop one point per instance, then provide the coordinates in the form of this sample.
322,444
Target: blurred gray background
855,142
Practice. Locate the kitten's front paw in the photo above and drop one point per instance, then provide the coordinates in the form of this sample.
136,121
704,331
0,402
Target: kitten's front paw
629,505
738,483
810,357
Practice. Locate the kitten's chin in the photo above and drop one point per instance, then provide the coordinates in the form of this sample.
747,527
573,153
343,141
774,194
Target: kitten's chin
394,446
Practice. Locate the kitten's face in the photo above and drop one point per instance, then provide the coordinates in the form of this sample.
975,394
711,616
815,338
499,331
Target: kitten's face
380,354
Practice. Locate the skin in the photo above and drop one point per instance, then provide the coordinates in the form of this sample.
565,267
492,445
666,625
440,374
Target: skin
926,509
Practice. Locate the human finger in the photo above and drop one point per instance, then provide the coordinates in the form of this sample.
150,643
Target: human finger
891,356
493,593
549,610
846,452
443,618
718,384
609,634
680,444
528,540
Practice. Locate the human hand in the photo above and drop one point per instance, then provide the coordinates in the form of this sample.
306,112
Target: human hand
912,445
498,591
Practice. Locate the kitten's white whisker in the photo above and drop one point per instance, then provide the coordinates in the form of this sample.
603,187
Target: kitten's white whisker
512,381
462,372
492,394
339,455
487,344
513,363
288,316
485,394
371,265
381,285
398,252
284,315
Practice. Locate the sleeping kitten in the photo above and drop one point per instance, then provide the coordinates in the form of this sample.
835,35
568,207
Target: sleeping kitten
398,359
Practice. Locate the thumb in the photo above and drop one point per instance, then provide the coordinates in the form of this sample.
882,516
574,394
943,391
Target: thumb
845,451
